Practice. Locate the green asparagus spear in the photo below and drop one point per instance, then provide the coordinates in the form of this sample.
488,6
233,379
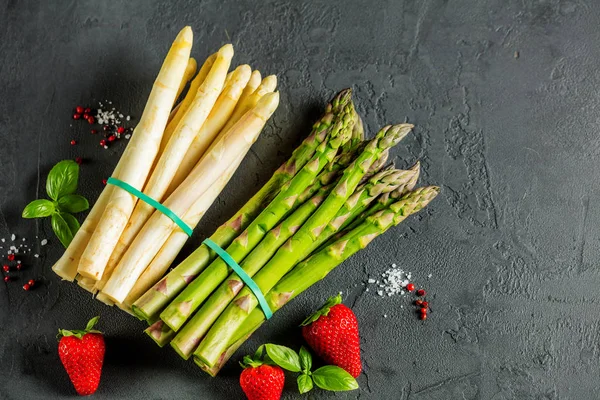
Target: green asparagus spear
358,134
191,333
389,198
381,183
297,247
180,309
317,266
156,298
160,333
359,214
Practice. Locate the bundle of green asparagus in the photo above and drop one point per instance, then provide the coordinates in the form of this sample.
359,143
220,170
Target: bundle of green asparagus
329,200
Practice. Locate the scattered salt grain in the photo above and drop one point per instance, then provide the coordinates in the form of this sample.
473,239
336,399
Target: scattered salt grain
128,136
3,240
44,242
384,315
392,282
36,255
429,276
13,237
23,239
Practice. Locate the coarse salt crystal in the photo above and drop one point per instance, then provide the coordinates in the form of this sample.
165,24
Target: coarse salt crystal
13,237
371,280
3,240
36,255
128,136
44,242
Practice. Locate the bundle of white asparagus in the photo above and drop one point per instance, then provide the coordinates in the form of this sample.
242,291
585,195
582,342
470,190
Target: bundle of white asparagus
181,155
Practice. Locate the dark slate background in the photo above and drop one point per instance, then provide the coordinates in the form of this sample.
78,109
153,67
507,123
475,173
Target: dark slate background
504,95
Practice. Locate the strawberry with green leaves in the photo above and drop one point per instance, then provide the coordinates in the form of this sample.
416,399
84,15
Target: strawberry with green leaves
82,354
261,381
267,384
332,332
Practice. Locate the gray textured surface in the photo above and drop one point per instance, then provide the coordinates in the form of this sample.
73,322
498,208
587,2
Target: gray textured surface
512,241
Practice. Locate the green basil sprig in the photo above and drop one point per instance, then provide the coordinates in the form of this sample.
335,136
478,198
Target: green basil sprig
61,185
329,377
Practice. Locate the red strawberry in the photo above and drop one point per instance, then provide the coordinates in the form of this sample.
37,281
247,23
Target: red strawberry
261,381
82,354
332,332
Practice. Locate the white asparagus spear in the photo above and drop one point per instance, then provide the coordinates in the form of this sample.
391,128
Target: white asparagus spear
139,157
214,123
157,230
185,104
253,84
171,157
165,257
228,78
190,70
246,103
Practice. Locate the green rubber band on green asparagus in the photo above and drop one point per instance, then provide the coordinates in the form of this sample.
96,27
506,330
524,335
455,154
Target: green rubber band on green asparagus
243,275
147,199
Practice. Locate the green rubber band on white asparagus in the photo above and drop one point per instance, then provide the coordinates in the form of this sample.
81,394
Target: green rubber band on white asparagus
147,199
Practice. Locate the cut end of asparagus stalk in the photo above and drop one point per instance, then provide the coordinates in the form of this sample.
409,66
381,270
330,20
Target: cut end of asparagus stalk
160,333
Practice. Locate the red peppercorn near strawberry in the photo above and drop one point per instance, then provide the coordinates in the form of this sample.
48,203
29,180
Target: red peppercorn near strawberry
260,381
82,354
332,332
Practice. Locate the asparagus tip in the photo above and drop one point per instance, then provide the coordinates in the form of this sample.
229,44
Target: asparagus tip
226,50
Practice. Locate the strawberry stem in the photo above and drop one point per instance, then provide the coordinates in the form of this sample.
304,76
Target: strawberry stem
332,301
80,333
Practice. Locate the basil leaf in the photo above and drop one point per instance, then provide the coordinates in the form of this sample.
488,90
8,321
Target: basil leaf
260,353
38,209
71,222
91,323
62,179
283,356
305,359
61,229
73,203
305,383
334,378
